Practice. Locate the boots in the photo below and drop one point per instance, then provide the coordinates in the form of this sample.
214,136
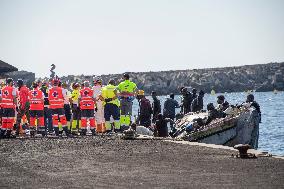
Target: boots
56,130
94,132
2,133
83,132
65,129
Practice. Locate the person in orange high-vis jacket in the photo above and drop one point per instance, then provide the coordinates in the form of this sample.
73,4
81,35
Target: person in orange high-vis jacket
87,106
36,99
8,102
56,105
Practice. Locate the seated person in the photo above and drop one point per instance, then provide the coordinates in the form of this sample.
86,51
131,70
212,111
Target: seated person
212,113
161,126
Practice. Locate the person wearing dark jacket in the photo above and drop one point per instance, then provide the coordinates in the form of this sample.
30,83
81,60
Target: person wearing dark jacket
156,105
145,109
197,103
212,113
170,106
186,100
253,103
47,112
161,127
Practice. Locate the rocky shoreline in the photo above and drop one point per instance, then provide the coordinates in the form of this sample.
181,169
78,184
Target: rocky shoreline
260,77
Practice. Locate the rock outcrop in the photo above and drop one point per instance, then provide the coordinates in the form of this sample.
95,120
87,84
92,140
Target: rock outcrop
260,77
7,70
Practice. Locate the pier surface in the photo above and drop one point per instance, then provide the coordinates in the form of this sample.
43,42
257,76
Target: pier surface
114,163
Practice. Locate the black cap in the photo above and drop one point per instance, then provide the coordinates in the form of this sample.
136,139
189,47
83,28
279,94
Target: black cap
126,75
9,80
221,97
20,82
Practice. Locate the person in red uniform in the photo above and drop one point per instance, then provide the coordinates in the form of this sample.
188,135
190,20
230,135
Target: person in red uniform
56,105
87,106
8,102
23,103
36,100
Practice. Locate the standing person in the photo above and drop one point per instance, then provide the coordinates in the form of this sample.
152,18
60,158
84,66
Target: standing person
186,100
170,106
197,103
47,112
194,93
76,119
36,100
8,102
99,114
145,109
111,106
56,104
156,105
23,104
252,103
127,90
67,101
87,106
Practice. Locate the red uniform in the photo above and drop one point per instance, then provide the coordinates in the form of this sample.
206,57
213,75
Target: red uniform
22,115
56,104
55,97
8,94
36,99
23,94
87,105
87,100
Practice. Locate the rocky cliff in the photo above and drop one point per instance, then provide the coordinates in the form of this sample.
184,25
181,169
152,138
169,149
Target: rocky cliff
261,77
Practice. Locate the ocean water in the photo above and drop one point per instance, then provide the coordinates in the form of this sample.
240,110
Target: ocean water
271,130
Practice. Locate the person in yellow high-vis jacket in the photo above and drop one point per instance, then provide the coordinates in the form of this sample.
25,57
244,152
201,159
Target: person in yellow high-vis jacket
76,123
111,106
127,91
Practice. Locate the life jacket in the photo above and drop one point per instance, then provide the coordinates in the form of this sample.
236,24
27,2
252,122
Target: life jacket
36,99
87,101
8,97
55,97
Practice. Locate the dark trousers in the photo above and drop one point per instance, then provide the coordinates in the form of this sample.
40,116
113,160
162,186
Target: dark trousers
48,119
67,109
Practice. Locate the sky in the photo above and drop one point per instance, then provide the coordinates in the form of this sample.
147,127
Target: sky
94,37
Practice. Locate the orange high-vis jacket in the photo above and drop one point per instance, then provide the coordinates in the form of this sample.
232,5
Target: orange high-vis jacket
8,97
36,99
56,98
86,99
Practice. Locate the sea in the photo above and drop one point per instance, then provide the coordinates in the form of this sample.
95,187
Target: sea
271,128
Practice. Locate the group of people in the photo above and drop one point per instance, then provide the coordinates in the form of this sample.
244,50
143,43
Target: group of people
50,108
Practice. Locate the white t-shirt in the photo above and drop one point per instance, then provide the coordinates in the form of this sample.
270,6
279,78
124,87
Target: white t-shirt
66,95
97,91
141,130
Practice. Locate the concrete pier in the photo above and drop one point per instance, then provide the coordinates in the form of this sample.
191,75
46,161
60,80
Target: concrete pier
114,163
